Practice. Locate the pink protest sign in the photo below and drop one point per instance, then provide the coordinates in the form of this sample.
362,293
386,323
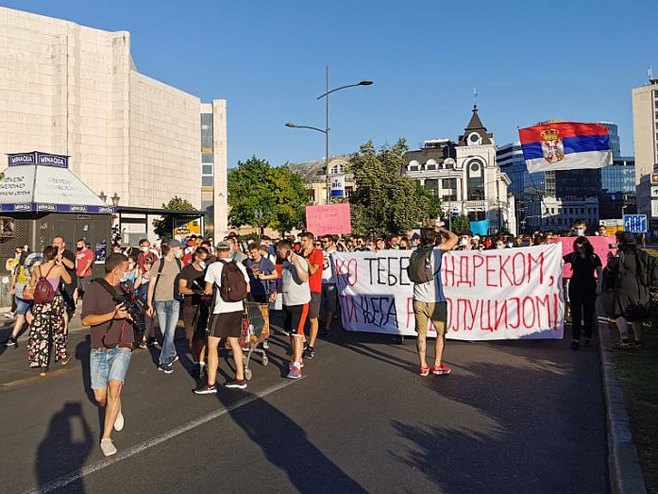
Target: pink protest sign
601,247
332,219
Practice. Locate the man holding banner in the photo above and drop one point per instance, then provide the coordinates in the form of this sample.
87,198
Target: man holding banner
429,301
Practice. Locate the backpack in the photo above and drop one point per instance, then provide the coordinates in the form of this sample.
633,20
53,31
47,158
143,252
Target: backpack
420,265
233,287
647,269
44,293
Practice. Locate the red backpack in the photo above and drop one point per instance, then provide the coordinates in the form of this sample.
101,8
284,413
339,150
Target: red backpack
44,292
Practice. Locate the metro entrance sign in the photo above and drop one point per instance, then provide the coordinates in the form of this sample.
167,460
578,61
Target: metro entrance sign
635,223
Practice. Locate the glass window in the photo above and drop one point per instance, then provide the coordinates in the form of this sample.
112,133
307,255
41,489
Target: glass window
449,183
206,169
206,158
206,181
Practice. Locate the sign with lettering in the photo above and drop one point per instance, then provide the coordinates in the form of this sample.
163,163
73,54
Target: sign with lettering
332,219
491,295
38,158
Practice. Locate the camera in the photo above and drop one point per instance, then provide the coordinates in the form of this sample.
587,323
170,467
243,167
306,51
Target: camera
133,304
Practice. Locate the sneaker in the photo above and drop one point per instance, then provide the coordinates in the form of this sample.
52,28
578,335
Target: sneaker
237,383
637,344
142,345
575,345
65,361
424,371
166,368
290,364
11,341
326,333
309,353
119,422
266,345
441,370
175,359
151,342
206,390
108,447
295,371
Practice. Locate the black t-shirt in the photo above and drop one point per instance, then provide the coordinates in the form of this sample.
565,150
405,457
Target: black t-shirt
583,267
70,256
98,301
194,281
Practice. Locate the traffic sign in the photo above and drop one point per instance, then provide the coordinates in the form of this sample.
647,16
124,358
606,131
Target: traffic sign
635,223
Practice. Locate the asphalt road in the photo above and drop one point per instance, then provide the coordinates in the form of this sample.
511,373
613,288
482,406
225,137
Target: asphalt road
514,417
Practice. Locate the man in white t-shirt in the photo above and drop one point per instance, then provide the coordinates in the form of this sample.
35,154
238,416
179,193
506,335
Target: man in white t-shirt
225,322
329,299
296,293
429,302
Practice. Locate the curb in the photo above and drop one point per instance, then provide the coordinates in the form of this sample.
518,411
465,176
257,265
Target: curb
623,463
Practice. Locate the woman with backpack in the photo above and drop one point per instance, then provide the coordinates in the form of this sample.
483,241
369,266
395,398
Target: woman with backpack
630,296
583,288
48,313
23,302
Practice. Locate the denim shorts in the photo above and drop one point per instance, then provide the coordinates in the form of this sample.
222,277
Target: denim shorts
108,365
22,306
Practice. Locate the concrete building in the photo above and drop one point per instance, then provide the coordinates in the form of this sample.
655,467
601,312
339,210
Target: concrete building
645,129
466,176
73,90
315,178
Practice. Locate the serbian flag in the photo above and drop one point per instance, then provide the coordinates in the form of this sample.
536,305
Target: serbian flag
565,146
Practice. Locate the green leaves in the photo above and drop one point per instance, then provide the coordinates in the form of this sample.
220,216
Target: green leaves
386,201
164,228
262,195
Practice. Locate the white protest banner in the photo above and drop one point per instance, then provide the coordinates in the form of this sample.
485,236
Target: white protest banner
491,295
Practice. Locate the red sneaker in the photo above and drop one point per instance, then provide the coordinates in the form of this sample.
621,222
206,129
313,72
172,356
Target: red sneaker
424,371
441,370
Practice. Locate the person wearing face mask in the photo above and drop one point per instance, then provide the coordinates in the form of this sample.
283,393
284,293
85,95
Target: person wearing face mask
84,260
579,228
112,341
146,252
195,310
163,300
465,240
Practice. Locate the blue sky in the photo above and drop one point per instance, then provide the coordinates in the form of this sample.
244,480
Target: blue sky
530,61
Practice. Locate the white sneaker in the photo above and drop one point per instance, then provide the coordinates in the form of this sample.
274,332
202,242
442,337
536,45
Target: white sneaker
119,422
107,447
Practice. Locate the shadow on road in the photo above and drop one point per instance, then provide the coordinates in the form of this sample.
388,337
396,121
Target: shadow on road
286,446
65,448
525,426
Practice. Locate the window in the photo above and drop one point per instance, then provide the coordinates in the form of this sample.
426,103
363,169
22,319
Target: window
206,169
413,166
449,183
206,158
431,164
335,170
475,180
311,195
349,190
432,184
206,181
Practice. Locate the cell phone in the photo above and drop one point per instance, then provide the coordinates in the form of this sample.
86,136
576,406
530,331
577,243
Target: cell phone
612,246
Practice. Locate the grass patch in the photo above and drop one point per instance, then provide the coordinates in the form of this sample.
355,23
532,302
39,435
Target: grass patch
637,371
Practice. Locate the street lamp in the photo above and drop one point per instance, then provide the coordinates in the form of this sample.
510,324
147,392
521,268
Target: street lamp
325,131
115,199
103,196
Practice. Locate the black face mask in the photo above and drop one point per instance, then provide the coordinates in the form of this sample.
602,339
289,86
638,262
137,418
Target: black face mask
79,248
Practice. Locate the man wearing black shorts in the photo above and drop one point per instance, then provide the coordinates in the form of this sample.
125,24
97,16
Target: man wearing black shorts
225,323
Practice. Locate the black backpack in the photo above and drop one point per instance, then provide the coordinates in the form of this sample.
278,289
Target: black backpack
420,265
234,286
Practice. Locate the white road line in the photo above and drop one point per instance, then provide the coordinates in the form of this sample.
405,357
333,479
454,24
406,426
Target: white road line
65,480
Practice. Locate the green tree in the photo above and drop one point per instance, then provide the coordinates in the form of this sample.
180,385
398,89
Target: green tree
459,223
164,227
386,201
262,195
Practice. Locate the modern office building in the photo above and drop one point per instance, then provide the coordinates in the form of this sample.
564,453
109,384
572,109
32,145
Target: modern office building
466,176
645,128
73,90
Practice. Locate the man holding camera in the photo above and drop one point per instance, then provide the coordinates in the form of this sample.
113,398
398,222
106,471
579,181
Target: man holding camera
112,341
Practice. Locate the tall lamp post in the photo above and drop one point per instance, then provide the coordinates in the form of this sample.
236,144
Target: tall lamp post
325,131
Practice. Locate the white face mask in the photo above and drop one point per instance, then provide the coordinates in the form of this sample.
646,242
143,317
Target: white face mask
463,242
580,232
202,264
500,246
178,254
144,249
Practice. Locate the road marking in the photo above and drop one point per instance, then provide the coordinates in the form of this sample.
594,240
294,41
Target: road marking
65,480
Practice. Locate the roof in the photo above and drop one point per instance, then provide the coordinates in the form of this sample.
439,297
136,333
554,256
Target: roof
475,125
42,182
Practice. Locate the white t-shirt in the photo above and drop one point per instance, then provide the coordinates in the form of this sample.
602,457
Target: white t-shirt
214,275
432,291
328,268
294,291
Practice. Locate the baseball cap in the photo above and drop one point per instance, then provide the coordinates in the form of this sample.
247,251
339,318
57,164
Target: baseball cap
223,245
174,243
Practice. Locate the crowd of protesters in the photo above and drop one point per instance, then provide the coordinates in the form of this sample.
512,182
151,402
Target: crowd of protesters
147,289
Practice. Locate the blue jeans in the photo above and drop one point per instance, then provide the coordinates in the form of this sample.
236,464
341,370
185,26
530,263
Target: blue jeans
108,365
168,313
